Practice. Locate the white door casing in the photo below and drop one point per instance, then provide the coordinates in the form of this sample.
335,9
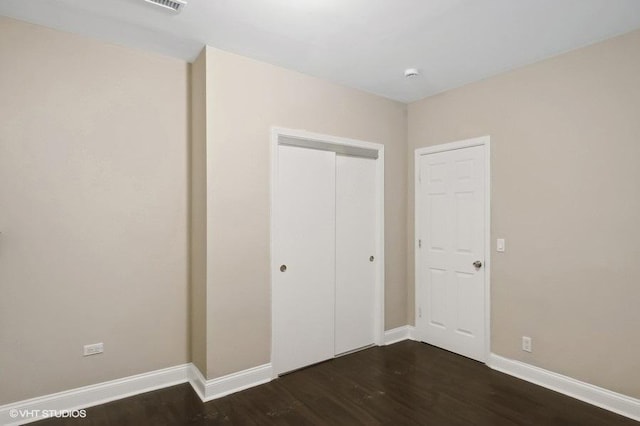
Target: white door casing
355,245
452,309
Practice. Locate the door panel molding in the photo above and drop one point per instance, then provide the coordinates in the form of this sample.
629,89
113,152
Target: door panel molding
485,142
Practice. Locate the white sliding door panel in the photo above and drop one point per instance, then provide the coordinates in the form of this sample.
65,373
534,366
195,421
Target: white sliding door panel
450,211
355,244
304,293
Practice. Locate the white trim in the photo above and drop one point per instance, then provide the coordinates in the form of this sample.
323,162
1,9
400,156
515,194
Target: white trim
318,137
487,247
398,334
600,397
231,383
197,381
468,143
101,393
380,283
276,134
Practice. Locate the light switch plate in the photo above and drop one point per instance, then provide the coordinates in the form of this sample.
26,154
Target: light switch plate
500,245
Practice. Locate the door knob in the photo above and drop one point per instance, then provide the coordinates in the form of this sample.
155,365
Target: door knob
477,264
283,268
371,258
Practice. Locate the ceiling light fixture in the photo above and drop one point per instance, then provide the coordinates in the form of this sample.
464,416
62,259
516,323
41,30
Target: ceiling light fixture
411,72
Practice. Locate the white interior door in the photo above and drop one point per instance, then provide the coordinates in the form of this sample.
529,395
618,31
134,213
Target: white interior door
304,293
450,290
355,253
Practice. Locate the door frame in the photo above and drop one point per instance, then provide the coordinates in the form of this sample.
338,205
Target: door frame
484,141
340,145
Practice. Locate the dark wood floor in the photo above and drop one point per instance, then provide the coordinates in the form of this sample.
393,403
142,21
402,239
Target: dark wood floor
408,383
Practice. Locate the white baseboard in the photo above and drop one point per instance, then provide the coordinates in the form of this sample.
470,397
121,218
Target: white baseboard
594,395
34,409
399,334
88,396
231,383
30,410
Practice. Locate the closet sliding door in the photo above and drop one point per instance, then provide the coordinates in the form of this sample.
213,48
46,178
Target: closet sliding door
326,266
356,255
304,250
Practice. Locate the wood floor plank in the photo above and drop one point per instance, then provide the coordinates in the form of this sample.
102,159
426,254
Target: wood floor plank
407,383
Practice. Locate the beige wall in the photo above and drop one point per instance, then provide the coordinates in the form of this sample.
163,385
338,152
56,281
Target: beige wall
565,136
248,98
198,222
93,211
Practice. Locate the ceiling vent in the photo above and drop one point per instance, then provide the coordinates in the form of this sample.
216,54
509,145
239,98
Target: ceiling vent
172,5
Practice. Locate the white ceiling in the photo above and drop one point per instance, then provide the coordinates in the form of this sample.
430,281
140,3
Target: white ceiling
365,44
